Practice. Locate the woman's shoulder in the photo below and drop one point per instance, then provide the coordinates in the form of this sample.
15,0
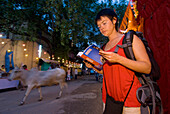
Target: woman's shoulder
136,40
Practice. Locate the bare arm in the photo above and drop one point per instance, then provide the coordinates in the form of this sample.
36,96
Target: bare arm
142,63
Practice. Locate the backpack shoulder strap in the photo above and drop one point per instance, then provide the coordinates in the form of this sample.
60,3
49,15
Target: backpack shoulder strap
127,45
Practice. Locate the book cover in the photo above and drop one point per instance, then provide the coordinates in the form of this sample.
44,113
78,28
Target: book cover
91,54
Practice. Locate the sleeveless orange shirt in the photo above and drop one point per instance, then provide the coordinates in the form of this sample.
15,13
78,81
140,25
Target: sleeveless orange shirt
118,81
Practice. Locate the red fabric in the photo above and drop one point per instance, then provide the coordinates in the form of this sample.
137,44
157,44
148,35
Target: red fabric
118,81
156,31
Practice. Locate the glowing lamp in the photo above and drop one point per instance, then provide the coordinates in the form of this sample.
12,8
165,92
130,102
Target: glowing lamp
23,45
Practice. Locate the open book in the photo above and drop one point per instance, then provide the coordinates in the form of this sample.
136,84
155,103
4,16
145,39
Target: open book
91,54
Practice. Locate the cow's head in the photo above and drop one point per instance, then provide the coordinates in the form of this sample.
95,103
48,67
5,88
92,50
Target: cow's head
15,74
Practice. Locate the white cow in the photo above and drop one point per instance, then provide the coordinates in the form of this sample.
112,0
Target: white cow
36,79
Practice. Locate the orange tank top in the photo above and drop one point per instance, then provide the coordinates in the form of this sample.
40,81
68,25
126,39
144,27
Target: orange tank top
118,81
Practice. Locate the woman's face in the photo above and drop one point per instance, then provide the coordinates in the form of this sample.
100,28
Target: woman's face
105,26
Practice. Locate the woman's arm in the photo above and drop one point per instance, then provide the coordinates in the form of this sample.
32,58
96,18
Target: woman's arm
142,63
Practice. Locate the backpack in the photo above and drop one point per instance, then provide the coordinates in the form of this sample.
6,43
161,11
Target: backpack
148,94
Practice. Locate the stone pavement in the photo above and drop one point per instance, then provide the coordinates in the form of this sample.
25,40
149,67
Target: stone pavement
83,96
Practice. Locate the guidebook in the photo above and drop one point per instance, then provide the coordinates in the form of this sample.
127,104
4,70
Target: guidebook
91,54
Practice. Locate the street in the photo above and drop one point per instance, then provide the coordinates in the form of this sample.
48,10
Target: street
82,96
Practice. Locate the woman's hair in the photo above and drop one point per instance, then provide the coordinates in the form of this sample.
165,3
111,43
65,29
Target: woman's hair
108,13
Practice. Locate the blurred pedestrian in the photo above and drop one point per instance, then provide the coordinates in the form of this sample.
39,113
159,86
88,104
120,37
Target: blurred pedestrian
76,73
42,65
96,75
68,74
73,72
24,67
3,68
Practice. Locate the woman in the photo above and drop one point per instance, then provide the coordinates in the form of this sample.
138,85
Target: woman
118,70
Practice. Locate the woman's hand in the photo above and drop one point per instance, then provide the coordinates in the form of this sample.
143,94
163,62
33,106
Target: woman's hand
110,56
103,60
88,64
141,64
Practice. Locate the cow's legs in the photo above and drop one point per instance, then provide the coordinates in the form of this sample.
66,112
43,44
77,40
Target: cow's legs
39,90
61,90
26,94
61,84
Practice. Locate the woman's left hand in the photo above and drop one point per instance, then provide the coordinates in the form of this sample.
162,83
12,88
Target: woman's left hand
110,56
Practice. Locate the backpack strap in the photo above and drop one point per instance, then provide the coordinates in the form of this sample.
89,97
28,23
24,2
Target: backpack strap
127,92
127,45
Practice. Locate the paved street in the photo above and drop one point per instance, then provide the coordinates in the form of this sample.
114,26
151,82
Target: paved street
83,96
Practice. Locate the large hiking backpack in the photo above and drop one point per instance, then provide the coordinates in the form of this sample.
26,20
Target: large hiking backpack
148,94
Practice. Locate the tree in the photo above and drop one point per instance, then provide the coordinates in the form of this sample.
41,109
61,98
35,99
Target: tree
66,23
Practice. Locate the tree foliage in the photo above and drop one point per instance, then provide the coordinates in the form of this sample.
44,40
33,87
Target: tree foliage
66,23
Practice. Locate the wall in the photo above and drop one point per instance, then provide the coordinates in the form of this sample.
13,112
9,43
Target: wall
19,53
156,27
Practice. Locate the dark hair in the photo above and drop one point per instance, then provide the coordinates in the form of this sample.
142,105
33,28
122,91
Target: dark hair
108,13
40,62
24,66
2,65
